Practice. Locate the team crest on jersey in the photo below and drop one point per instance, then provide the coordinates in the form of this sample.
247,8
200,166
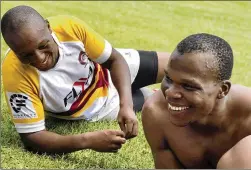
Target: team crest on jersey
82,58
21,106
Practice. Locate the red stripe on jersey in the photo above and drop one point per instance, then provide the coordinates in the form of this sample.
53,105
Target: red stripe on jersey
102,82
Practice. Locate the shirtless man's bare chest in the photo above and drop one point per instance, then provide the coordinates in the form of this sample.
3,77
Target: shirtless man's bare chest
198,148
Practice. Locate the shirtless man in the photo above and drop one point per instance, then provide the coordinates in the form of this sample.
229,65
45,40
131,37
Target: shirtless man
199,119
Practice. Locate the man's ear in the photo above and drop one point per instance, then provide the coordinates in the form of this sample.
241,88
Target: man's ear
48,25
224,89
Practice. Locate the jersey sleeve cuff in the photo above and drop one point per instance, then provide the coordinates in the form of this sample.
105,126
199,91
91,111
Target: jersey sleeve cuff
29,128
106,53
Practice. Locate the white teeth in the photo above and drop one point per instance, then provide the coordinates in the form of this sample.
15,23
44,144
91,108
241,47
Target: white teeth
177,108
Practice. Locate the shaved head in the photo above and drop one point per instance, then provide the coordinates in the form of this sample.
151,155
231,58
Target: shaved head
30,37
18,18
215,46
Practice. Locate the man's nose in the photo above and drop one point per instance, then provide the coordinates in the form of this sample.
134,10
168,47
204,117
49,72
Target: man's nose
173,92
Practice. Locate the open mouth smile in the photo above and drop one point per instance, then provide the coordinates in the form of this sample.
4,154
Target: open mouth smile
177,108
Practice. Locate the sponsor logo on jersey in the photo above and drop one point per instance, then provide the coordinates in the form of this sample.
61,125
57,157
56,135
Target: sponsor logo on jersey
17,101
77,89
21,106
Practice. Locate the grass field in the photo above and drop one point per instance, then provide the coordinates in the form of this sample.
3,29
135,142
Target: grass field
141,25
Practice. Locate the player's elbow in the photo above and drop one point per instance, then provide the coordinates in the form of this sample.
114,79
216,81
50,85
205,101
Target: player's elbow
28,143
31,142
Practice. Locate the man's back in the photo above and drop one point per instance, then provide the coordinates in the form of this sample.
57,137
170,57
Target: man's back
195,145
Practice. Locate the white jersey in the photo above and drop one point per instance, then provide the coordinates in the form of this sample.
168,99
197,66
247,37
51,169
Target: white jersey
76,88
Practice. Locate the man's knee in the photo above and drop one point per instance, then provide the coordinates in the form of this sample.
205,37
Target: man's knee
163,58
140,96
138,100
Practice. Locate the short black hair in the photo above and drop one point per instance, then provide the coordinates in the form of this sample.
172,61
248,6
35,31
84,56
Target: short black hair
19,16
207,43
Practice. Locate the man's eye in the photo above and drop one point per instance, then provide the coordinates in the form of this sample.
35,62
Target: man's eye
42,46
189,87
168,79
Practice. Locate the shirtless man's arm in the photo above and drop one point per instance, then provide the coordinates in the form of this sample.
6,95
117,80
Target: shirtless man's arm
163,157
239,156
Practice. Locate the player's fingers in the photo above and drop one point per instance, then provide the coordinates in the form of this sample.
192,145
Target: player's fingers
118,133
122,126
129,127
117,146
134,132
119,140
135,129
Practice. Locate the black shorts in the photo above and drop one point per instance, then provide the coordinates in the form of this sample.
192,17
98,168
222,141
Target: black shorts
147,75
148,69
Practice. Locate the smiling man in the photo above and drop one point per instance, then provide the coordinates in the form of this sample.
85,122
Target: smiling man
64,68
199,119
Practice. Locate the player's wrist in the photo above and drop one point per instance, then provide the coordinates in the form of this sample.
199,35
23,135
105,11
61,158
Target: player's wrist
86,140
126,103
82,141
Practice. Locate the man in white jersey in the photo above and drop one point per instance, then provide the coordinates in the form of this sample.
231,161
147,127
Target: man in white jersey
64,68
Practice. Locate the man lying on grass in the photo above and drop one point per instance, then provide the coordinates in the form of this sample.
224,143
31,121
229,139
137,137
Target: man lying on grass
199,119
62,66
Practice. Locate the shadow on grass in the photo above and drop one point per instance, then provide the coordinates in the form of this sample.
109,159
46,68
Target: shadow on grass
61,125
10,137
80,159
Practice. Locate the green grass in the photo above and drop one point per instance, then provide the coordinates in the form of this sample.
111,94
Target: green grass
141,25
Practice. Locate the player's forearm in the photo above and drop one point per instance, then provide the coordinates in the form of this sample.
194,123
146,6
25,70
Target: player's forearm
121,79
52,143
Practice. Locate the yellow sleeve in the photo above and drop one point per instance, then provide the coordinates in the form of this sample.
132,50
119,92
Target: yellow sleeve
97,48
21,88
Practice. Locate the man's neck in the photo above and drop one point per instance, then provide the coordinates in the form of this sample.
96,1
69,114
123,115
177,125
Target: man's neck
214,121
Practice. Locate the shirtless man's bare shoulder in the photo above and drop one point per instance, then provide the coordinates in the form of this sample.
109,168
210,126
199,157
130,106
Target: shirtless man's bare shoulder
153,120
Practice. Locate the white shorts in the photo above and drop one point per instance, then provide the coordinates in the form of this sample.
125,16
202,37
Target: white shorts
110,110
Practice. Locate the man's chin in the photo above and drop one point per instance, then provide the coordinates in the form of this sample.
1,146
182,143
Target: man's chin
43,68
180,123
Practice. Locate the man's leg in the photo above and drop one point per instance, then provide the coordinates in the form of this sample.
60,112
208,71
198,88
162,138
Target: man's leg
151,71
139,97
163,58
146,68
151,68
